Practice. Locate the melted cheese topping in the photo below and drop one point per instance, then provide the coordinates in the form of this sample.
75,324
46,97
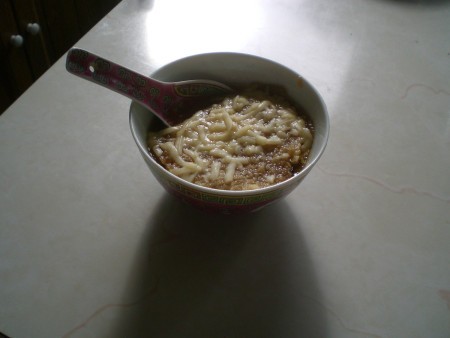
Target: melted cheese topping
242,143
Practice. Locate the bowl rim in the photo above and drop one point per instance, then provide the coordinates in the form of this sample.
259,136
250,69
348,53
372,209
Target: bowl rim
237,193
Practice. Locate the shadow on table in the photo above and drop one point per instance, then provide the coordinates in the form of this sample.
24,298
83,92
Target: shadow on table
202,275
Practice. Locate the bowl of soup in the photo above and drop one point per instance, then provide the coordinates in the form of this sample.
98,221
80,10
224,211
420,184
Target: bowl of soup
245,151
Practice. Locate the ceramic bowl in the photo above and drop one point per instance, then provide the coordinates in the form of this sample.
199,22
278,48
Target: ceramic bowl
232,69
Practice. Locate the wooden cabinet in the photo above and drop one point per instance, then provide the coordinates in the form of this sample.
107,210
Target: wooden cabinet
35,33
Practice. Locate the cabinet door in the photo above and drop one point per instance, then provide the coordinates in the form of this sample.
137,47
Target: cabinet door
5,95
33,29
90,12
62,25
15,72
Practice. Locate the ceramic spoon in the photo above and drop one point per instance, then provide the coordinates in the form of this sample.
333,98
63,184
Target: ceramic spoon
172,102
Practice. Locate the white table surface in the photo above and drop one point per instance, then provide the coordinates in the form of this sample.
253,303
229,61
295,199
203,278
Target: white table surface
92,246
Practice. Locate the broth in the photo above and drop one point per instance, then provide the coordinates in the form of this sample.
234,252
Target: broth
247,141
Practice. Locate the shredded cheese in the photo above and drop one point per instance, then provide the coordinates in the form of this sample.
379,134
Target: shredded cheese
244,142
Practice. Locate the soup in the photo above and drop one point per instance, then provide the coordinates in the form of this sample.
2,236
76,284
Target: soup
247,141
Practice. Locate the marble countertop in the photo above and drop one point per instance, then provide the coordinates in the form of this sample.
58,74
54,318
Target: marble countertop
92,246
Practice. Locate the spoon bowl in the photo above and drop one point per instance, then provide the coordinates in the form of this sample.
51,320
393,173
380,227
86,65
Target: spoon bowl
172,102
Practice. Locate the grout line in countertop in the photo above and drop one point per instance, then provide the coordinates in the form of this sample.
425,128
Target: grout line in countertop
400,190
422,85
445,295
106,307
339,319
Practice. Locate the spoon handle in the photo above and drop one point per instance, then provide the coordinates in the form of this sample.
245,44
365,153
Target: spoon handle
108,74
172,102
